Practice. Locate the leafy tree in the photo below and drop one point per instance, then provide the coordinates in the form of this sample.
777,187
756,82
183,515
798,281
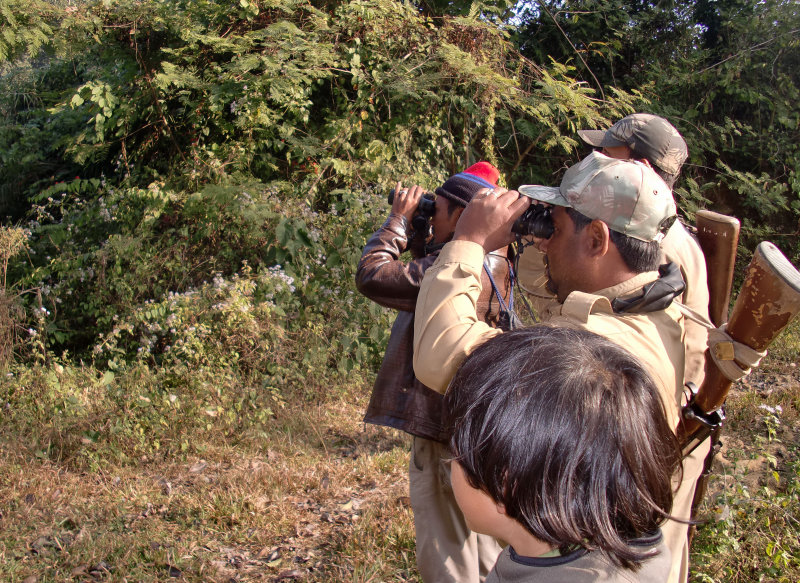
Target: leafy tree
725,73
492,9
23,29
168,111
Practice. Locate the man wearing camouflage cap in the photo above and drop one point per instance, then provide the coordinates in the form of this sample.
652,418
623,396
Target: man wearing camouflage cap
642,136
652,139
602,266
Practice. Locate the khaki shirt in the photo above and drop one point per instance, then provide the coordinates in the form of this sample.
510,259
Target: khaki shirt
446,328
533,278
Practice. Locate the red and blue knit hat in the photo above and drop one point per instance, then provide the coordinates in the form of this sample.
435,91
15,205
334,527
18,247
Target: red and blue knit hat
463,186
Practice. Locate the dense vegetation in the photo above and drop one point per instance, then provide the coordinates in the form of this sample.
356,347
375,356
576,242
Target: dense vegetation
186,185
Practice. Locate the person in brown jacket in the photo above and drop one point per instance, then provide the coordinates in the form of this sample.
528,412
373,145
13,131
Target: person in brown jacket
446,548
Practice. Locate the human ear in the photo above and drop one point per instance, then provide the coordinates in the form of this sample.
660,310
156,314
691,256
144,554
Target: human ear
597,238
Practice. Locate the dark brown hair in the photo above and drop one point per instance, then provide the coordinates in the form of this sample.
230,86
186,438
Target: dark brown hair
566,430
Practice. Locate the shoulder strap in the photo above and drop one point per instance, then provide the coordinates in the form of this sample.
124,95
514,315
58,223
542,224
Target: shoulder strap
507,317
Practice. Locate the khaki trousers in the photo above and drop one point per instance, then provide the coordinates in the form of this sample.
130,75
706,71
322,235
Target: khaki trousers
447,551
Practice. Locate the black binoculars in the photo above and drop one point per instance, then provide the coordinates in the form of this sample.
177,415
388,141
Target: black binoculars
535,221
425,210
427,204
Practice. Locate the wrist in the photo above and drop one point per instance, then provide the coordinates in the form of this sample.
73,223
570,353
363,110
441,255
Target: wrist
400,216
470,238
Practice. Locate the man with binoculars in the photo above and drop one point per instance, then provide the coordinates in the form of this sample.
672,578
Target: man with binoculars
602,265
446,549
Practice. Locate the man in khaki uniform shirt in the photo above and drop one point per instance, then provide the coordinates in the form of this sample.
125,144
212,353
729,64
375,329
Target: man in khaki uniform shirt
650,138
609,216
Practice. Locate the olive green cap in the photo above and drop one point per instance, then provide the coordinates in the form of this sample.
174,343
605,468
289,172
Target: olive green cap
649,137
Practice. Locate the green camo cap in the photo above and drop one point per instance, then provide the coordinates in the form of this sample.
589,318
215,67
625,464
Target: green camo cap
648,136
626,195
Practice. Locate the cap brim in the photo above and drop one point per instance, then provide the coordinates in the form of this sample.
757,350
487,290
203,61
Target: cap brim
548,194
600,138
592,137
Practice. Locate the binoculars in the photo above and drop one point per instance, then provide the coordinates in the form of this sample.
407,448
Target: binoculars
535,221
427,204
425,210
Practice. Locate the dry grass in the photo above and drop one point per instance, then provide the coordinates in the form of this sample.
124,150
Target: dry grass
753,503
315,495
12,241
323,499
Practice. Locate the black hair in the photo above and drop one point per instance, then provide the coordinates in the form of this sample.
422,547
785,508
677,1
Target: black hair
452,206
566,430
639,256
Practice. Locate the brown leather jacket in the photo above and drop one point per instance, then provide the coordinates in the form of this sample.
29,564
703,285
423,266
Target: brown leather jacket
399,400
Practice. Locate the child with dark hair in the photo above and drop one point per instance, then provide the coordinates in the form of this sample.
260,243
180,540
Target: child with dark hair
562,449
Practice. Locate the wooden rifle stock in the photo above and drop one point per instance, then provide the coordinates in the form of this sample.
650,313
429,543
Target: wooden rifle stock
767,302
718,236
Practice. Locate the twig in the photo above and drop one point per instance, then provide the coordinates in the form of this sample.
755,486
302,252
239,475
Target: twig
577,52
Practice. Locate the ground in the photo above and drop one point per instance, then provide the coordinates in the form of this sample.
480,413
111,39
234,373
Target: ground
320,496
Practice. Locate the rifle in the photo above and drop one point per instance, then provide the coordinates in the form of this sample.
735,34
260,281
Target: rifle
718,236
768,301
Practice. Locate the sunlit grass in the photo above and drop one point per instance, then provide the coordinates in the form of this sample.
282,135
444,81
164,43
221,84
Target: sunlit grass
307,492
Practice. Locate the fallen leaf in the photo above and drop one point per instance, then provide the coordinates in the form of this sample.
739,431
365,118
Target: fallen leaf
175,573
269,554
42,543
166,486
275,554
198,467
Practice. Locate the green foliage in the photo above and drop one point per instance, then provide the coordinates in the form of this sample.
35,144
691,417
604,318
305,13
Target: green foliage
492,9
128,275
726,75
12,241
75,416
193,93
166,144
22,28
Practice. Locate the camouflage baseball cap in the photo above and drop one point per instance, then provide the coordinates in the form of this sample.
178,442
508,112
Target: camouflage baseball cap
648,136
626,195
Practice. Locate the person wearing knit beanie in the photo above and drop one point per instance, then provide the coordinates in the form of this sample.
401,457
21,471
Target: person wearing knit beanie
447,550
461,187
452,198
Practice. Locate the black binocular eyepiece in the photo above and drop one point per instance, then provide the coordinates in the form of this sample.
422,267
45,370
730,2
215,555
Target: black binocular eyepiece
535,221
427,204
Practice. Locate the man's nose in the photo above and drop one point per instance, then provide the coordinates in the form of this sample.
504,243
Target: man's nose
543,243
